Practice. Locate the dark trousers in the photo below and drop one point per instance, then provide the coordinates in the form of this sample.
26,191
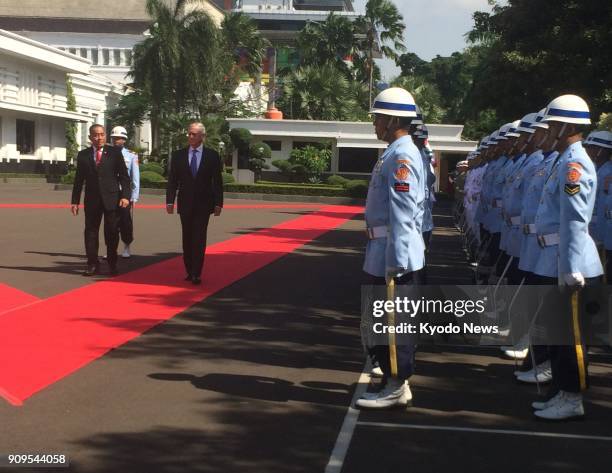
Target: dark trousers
126,225
537,353
93,218
569,362
608,267
405,353
195,226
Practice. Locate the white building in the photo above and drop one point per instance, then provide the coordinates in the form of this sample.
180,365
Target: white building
33,100
355,147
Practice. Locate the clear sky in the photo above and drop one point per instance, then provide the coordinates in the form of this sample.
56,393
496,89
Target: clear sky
432,27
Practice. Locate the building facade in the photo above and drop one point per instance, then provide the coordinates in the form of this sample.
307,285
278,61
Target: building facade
354,145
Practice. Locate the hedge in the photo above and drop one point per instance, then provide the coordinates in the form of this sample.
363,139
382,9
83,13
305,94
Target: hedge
153,167
285,189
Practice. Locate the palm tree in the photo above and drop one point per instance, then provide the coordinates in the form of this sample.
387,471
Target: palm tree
178,64
332,40
244,41
382,22
318,93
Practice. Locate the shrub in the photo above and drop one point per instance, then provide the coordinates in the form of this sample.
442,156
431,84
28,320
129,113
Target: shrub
152,179
314,161
258,153
152,167
227,178
357,188
285,189
335,180
68,178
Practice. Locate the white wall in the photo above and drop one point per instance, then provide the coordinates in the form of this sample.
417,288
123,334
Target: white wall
49,137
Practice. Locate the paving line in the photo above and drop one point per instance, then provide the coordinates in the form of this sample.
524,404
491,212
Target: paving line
447,428
343,441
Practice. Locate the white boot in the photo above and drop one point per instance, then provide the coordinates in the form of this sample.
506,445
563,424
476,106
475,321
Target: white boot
376,372
516,354
540,374
538,406
567,407
394,394
406,400
126,252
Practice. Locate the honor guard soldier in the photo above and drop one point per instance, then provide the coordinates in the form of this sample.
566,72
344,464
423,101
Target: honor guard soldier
119,137
395,253
569,255
598,145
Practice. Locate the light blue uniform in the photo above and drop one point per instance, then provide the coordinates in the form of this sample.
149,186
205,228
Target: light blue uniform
429,192
534,184
131,162
510,172
563,214
604,179
493,221
396,199
607,229
515,203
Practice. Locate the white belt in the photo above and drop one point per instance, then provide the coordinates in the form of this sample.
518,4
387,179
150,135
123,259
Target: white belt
516,221
497,203
377,232
529,228
548,240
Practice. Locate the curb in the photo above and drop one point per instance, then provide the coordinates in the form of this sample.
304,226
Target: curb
23,180
249,196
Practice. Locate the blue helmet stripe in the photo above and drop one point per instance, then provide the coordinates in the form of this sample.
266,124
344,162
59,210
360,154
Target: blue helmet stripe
395,106
601,140
556,112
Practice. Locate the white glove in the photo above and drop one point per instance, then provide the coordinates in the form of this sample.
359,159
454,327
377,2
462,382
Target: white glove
574,279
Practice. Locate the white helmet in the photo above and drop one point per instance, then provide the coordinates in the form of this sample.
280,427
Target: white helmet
512,131
421,131
493,138
603,139
119,132
568,109
538,123
525,126
419,117
501,133
396,102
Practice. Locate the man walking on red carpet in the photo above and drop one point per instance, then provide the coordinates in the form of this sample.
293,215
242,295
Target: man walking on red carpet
195,172
107,188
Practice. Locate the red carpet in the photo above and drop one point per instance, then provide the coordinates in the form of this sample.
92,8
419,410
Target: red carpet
47,340
160,206
10,298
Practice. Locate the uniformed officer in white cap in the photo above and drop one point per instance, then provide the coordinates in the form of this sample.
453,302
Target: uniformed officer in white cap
569,256
394,214
119,137
598,145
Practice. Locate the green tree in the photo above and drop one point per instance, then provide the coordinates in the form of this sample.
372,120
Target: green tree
181,64
258,154
331,41
539,49
72,148
382,25
243,41
320,93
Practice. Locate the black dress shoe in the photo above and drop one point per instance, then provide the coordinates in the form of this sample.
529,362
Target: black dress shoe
188,277
91,270
196,280
113,270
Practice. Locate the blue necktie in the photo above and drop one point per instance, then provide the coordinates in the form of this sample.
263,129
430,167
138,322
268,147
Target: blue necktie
194,163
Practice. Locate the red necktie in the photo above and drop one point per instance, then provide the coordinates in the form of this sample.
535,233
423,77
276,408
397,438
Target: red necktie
98,156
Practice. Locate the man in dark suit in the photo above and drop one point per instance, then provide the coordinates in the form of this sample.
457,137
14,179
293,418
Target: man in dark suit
107,187
195,172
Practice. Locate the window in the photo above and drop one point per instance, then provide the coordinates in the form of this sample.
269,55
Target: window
274,145
94,57
25,136
357,159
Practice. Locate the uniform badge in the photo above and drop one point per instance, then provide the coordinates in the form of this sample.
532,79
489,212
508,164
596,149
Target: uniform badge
572,189
401,187
573,172
402,173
